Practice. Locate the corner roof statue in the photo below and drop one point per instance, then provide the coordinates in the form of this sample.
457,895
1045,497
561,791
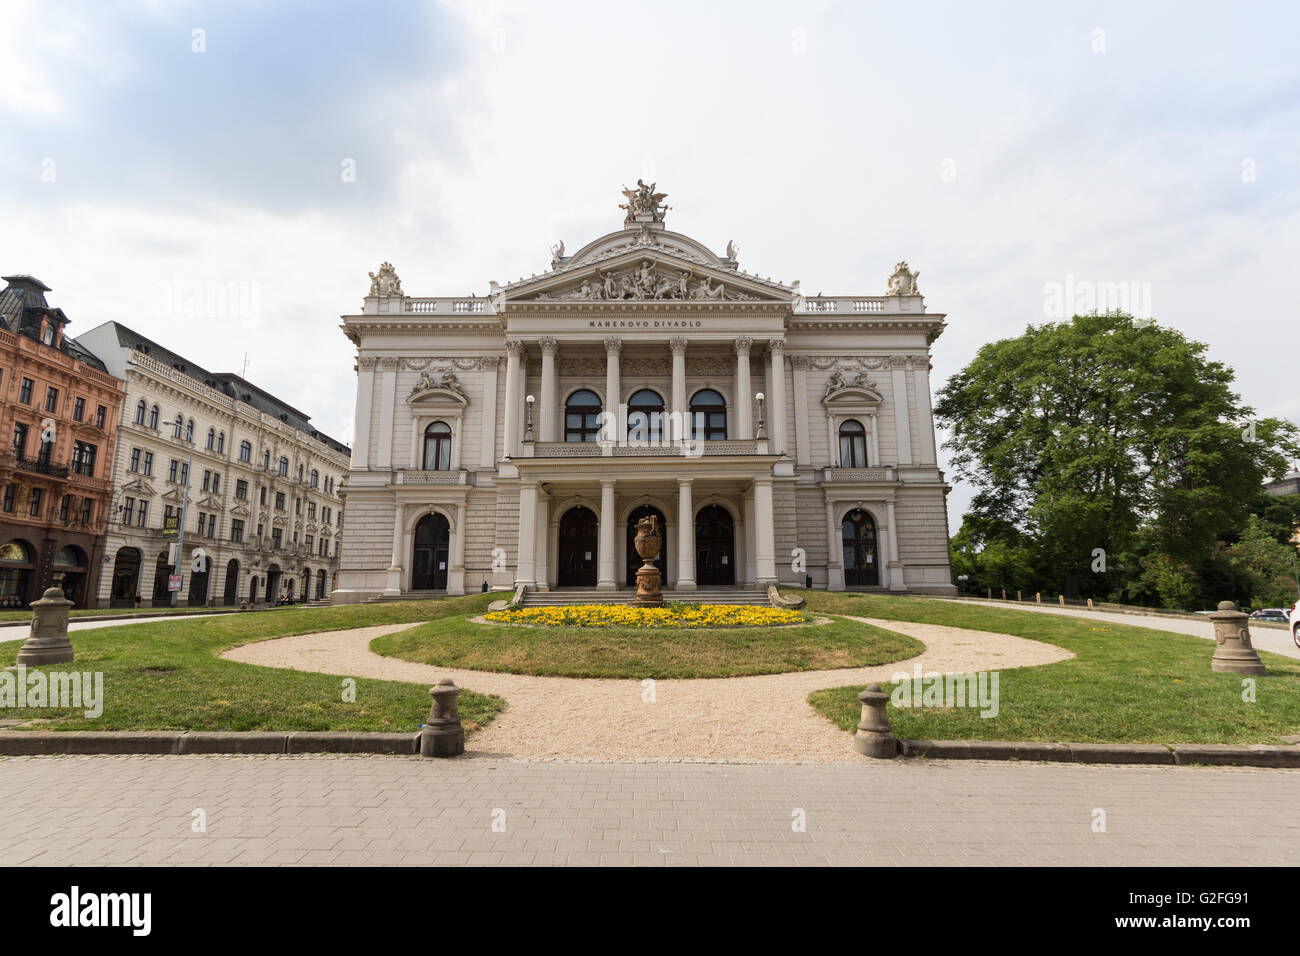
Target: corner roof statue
903,281
386,282
643,203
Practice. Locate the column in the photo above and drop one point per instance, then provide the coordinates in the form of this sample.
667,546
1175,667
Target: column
387,399
613,387
487,457
776,410
542,541
902,421
456,572
681,410
802,447
606,579
765,545
394,583
873,436
685,536
744,392
550,400
926,452
526,571
361,427
514,350
751,539
834,551
896,582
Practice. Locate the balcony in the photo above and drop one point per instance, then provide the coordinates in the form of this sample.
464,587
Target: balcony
694,449
456,477
858,474
41,467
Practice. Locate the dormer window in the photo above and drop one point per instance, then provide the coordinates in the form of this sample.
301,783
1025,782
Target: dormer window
48,335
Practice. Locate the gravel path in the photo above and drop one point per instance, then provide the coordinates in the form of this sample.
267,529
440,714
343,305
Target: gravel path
764,718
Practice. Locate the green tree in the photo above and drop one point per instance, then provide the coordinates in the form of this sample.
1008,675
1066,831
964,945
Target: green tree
1093,436
1268,565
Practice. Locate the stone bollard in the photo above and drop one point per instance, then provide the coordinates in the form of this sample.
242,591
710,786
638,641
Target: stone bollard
1061,598
875,738
48,642
1089,604
1004,594
1018,598
1038,596
1233,652
443,735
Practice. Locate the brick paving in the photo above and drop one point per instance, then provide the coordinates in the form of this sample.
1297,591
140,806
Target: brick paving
338,810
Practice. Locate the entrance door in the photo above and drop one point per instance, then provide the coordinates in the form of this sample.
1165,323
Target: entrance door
634,561
429,556
126,578
231,595
577,549
861,558
715,547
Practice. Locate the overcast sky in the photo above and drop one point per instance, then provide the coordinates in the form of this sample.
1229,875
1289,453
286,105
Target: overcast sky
999,148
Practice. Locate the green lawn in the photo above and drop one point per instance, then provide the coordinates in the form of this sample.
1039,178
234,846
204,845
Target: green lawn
661,652
1127,684
26,615
167,676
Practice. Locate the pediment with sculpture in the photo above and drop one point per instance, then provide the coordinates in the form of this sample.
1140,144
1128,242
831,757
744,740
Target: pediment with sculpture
847,387
651,278
438,386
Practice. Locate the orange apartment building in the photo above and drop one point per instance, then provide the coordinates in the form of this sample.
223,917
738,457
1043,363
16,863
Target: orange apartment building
59,411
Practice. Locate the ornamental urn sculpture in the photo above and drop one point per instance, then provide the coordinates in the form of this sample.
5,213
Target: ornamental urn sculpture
649,584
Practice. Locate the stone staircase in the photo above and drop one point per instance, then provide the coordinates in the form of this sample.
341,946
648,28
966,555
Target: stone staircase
712,595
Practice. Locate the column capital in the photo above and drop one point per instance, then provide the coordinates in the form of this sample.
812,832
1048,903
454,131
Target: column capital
678,344
685,482
776,345
388,363
743,344
489,361
367,362
549,344
613,344
800,361
608,482
514,347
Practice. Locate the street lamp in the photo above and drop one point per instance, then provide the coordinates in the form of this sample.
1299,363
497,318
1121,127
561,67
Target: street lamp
961,579
528,426
761,432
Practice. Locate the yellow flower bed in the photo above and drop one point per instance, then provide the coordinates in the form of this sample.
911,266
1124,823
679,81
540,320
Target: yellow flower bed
625,615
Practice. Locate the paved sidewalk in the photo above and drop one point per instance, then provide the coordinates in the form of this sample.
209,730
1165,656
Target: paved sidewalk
337,810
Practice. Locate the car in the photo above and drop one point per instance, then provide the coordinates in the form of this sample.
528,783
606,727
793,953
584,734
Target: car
1277,614
1293,617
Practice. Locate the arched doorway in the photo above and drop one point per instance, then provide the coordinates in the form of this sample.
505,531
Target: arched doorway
162,569
288,590
69,567
633,559
861,561
576,550
429,553
273,584
252,590
715,547
199,583
17,561
231,594
320,585
126,578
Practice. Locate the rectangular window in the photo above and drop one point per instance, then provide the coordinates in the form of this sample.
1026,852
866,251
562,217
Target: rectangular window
262,495
277,538
279,501
64,504
236,531
200,528
20,439
144,513
79,410
9,498
185,474
297,506
311,510
51,399
241,489
173,470
128,510
259,532
148,463
25,393
87,509
101,415
207,479
34,503
135,460
310,541
212,526
216,482
83,458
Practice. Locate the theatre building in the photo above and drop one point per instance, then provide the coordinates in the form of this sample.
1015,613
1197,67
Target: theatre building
516,438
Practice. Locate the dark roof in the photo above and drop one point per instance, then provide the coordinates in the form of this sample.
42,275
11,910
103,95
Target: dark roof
23,306
227,383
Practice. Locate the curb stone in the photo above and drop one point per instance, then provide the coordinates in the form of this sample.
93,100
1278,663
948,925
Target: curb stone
1227,755
21,743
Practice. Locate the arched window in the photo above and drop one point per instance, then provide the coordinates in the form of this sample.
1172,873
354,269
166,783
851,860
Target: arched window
315,478
153,418
300,472
645,417
189,430
708,416
582,417
266,461
221,443
437,447
212,438
284,467
853,445
140,411
179,426
245,451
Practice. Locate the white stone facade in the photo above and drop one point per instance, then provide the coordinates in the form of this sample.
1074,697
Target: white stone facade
254,544
472,462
